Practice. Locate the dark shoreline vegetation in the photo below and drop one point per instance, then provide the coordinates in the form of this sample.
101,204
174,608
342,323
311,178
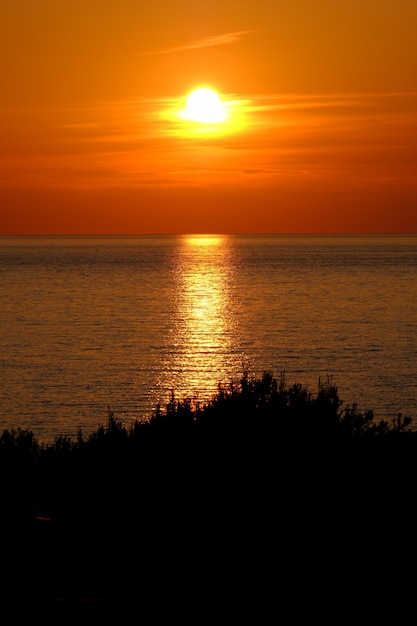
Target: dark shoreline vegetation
262,469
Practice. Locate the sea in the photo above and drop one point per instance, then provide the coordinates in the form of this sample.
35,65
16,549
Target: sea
96,324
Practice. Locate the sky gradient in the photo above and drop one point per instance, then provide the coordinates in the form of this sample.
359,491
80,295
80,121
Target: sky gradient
321,134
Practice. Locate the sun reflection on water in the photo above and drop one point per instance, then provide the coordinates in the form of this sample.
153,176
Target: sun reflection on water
204,339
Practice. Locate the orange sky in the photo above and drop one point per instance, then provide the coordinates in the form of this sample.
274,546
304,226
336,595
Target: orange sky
321,137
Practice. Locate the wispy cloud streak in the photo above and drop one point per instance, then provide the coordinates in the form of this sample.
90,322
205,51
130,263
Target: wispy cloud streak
204,42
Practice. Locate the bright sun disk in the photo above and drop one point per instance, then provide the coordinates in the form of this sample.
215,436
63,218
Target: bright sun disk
204,105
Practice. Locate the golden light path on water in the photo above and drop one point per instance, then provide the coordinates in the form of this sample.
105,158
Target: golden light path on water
204,338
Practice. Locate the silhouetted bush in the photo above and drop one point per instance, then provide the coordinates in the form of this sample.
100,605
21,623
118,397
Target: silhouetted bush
252,408
261,466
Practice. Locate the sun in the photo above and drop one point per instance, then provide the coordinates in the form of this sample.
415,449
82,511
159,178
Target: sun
203,112
205,106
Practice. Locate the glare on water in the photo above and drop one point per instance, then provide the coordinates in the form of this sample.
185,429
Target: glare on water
203,337
90,322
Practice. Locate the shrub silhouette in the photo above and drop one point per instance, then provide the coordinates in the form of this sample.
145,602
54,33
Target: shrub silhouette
261,464
262,409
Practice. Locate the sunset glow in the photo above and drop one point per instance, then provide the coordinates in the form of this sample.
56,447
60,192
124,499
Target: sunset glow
267,118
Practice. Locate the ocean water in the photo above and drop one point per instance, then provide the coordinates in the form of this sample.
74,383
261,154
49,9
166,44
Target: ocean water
89,323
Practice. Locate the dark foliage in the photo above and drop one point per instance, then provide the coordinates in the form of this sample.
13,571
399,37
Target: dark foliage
261,466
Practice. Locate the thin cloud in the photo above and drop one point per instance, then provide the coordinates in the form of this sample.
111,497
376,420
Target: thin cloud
204,42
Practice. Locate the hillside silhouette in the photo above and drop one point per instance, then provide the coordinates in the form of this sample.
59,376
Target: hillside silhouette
206,504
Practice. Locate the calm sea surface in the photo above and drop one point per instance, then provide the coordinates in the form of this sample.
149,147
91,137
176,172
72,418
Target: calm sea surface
91,322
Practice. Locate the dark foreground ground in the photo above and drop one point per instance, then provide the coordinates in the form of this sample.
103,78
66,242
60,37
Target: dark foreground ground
208,540
270,508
